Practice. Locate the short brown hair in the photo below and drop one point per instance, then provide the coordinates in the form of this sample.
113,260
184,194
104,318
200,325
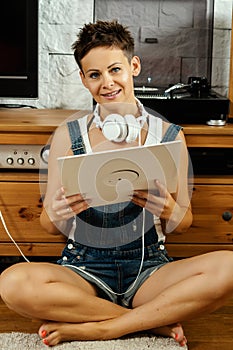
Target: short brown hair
103,33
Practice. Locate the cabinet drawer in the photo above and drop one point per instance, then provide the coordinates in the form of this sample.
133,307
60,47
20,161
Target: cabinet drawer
21,205
209,203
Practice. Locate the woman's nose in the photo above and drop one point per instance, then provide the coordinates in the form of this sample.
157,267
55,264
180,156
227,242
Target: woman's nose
107,81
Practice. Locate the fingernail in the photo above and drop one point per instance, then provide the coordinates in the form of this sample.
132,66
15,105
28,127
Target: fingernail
45,341
176,336
43,333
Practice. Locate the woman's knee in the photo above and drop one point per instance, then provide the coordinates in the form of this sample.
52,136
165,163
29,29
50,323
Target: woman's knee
222,272
13,282
223,260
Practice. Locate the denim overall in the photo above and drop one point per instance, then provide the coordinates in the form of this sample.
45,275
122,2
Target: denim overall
108,241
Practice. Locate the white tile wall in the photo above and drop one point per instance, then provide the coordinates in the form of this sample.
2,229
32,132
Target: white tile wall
59,81
222,45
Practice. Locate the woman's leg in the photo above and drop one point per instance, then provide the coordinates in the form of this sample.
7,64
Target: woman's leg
52,292
178,291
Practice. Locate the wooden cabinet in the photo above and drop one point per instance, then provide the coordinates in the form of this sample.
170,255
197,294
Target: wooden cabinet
212,198
21,203
212,227
212,205
20,191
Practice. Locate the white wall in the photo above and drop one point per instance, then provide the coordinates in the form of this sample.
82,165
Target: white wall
59,82
222,45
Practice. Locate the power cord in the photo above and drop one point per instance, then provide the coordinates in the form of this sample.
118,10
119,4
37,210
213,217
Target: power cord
12,239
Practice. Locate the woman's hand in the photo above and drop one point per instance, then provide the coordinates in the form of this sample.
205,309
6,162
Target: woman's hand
64,208
177,217
160,204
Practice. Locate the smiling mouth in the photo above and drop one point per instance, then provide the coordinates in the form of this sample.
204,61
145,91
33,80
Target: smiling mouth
112,94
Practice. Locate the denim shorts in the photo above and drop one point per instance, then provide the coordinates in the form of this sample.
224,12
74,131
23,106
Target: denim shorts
114,271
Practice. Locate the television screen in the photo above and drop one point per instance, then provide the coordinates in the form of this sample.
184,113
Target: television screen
19,49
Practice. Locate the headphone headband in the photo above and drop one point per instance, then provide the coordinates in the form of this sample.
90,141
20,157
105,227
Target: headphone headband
117,128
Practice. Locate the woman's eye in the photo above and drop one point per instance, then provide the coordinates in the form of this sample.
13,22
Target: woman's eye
116,69
94,75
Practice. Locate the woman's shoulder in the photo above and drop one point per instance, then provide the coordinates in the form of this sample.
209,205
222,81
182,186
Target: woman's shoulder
62,129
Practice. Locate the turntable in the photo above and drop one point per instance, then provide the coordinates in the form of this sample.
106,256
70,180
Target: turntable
191,103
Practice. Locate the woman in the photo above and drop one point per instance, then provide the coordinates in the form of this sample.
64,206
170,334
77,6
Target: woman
103,289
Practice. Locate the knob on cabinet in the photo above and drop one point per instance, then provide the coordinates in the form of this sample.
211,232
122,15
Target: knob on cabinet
227,215
45,153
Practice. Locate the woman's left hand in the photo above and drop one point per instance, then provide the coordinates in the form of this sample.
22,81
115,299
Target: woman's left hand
160,204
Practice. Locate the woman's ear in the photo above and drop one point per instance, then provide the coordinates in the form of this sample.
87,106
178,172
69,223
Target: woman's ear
136,66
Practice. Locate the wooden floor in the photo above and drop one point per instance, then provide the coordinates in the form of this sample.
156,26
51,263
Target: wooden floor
213,332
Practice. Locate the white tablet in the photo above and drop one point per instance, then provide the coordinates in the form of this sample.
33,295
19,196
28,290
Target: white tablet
111,177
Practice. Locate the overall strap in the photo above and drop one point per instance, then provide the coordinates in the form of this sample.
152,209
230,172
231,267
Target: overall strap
77,143
171,133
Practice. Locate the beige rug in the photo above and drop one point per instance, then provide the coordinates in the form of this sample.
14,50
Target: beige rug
24,341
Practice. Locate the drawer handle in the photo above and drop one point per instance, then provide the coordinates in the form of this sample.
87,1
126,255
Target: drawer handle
227,215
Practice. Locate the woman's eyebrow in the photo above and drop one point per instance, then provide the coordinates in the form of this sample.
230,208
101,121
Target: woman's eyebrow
97,70
113,64
92,70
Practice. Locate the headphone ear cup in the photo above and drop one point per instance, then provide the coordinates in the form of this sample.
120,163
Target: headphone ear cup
133,128
114,128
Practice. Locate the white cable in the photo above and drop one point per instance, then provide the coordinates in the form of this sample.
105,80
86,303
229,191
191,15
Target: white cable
143,253
6,229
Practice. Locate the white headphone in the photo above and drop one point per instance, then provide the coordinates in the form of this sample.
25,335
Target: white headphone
117,128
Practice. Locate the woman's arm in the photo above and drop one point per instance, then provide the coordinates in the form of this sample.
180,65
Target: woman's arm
174,210
57,217
54,199
177,212
48,225
58,210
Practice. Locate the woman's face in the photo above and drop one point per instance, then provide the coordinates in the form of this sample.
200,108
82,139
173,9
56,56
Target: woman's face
108,75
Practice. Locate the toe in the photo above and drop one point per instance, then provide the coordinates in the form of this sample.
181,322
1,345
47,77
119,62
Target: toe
183,342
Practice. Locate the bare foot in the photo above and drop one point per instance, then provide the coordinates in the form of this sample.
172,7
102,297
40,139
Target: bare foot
54,333
174,331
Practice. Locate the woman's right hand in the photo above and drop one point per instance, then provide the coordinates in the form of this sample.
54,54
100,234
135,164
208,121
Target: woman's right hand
63,208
